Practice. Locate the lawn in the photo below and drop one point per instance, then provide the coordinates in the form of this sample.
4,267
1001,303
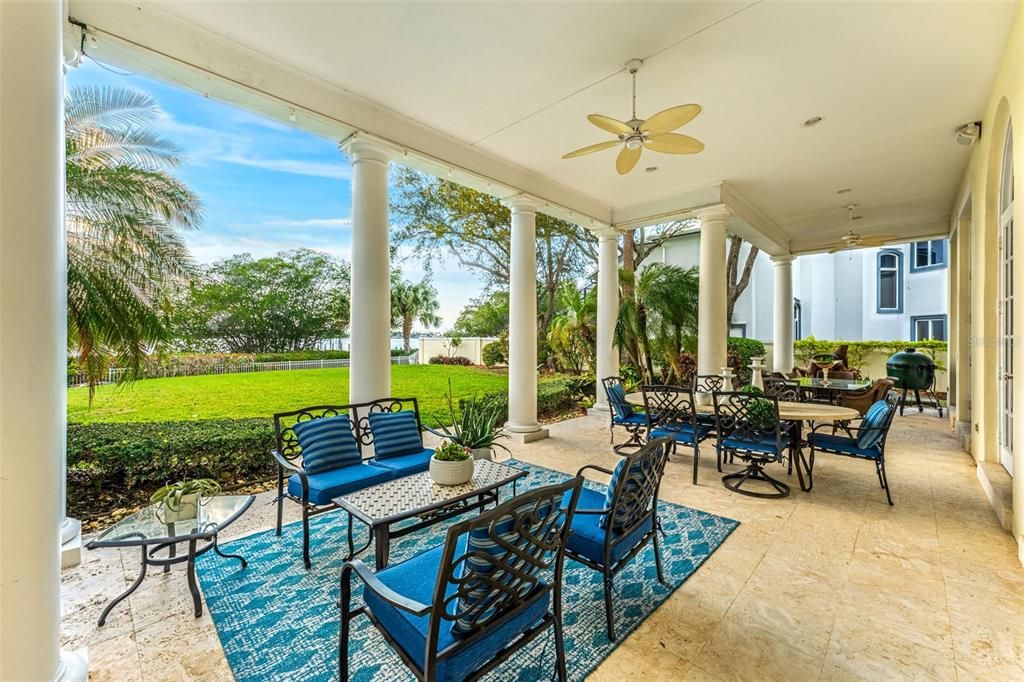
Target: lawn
261,394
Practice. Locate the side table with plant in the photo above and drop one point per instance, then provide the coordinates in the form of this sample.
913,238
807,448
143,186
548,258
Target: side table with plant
181,501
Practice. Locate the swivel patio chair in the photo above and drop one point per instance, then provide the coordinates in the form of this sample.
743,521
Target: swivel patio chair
457,611
671,413
609,529
703,386
622,414
749,429
867,440
781,387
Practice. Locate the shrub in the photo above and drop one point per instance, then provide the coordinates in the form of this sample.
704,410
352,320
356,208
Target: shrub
553,396
493,354
744,349
450,360
858,352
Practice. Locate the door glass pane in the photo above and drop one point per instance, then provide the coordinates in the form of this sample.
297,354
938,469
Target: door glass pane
887,293
938,330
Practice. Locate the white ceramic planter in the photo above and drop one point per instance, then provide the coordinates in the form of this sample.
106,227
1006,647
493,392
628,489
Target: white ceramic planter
483,453
451,473
188,509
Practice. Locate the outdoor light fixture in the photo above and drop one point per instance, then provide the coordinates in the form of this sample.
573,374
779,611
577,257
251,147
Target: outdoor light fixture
969,133
813,121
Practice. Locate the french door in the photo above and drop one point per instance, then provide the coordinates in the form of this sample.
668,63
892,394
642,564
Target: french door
1006,313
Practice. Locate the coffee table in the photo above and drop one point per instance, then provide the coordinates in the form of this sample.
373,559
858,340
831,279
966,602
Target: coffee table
143,529
382,507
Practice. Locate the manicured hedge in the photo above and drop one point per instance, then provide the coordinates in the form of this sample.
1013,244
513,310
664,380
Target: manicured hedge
553,396
450,360
493,354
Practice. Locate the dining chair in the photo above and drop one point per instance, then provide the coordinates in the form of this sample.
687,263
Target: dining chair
622,414
749,429
609,529
457,611
671,413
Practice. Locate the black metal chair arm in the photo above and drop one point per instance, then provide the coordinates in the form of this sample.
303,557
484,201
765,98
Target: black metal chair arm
595,468
371,581
285,463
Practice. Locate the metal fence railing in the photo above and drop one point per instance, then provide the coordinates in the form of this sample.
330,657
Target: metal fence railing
114,374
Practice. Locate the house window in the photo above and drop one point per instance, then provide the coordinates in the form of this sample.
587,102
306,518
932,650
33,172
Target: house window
928,255
739,329
890,281
798,319
928,327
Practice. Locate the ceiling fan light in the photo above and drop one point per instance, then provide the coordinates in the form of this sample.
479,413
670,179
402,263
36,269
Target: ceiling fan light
634,142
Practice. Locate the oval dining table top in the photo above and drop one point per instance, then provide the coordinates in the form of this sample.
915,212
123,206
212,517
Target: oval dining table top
787,410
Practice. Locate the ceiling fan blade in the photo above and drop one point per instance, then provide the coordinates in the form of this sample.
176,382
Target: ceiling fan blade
627,159
612,125
600,146
670,119
837,249
673,143
878,240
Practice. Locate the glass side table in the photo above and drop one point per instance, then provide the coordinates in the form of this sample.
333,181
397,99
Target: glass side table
143,529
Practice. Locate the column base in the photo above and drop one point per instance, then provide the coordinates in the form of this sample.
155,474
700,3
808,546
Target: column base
71,543
525,433
74,666
599,410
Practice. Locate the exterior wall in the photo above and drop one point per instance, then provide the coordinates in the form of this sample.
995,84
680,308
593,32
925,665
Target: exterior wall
980,224
470,347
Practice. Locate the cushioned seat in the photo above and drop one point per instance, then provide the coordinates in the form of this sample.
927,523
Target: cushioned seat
587,536
637,419
415,578
326,485
684,433
842,444
404,465
767,444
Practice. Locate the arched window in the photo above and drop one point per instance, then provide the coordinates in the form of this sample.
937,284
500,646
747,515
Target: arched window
890,281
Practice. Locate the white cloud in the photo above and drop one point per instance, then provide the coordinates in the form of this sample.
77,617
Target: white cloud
320,169
208,248
307,222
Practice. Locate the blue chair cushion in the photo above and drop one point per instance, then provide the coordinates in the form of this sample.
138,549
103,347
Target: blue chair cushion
633,419
415,578
635,471
844,445
327,443
617,398
587,536
874,420
395,434
405,465
326,485
766,445
683,433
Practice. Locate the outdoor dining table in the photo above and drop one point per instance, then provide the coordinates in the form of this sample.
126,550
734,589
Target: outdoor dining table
797,413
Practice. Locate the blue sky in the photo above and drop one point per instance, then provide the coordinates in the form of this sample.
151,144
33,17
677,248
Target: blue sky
266,187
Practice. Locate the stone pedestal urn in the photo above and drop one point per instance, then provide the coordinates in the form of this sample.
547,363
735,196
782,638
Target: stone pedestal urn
756,371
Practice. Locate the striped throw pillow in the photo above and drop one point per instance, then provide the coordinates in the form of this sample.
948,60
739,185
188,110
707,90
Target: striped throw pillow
395,433
635,471
327,443
617,397
874,420
482,600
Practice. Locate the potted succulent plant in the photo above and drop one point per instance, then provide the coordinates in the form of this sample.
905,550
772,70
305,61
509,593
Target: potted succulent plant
180,501
475,426
452,464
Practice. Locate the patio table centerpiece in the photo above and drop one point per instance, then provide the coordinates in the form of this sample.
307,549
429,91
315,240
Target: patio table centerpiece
474,425
452,464
180,501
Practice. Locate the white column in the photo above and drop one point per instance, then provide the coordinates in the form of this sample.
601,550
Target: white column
712,328
370,322
33,342
782,327
607,310
522,322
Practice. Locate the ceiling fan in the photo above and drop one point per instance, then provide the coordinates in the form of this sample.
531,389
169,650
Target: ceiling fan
852,240
635,134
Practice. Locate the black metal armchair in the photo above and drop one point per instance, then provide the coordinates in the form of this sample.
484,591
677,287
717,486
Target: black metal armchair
621,413
610,529
749,428
671,413
457,611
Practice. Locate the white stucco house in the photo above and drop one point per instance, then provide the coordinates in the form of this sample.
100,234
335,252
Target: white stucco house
888,293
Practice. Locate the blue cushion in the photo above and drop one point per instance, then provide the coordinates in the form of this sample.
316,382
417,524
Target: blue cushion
875,421
587,536
683,433
617,398
395,434
842,444
415,578
481,546
327,443
327,485
637,419
405,465
635,471
767,444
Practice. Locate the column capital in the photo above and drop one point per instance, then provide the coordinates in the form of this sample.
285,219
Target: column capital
718,212
364,147
604,233
783,260
523,203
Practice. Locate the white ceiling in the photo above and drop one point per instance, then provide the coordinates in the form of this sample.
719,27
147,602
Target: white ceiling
892,80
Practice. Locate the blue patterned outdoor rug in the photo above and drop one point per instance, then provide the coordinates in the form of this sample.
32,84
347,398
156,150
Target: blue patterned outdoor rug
277,621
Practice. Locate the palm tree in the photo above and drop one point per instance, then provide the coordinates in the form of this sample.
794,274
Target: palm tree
572,334
123,212
411,303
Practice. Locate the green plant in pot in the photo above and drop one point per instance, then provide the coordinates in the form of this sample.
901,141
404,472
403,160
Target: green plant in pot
452,464
474,426
180,501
